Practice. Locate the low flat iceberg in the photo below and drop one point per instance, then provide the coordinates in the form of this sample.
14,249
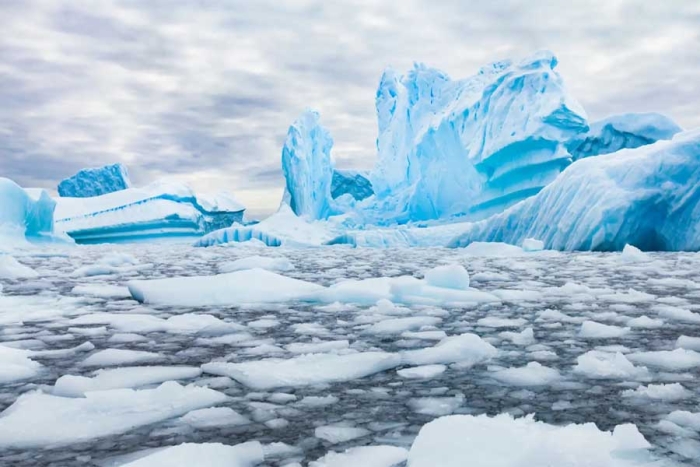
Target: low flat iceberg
206,454
459,440
95,182
647,197
160,210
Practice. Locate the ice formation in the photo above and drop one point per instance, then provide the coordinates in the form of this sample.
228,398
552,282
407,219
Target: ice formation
351,182
161,209
95,182
646,197
620,132
471,147
308,168
25,215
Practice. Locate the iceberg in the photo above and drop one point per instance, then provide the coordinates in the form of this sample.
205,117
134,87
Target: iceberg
95,182
351,182
160,210
470,147
308,168
647,197
626,131
25,214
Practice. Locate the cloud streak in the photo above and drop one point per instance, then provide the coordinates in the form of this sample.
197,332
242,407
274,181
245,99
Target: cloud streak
204,92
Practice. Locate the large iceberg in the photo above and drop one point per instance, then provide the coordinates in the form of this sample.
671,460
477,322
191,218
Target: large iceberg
648,197
95,182
308,168
25,215
471,147
159,210
624,131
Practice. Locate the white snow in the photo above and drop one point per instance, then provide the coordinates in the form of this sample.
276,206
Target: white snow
665,392
213,417
501,441
532,374
113,357
41,420
451,276
678,359
466,349
422,372
593,330
364,456
15,365
207,454
126,377
605,365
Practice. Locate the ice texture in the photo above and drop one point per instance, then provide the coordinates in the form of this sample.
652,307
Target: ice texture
471,147
160,210
458,440
206,454
95,182
351,182
645,197
624,131
308,168
25,215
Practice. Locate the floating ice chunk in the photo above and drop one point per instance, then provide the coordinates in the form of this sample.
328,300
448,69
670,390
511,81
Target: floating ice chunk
318,401
213,417
456,440
248,286
593,330
532,244
493,249
339,434
525,337
632,254
113,357
316,347
677,314
399,325
305,370
422,372
665,392
127,377
262,262
687,342
436,406
15,365
125,338
41,420
678,359
466,349
365,456
101,291
645,322
685,419
532,374
451,276
495,322
12,269
263,323
424,335
605,365
207,454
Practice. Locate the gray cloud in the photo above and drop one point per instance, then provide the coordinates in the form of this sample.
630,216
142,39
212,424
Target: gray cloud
204,91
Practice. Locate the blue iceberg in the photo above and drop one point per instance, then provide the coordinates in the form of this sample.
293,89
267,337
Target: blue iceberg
157,211
308,168
648,197
25,214
95,182
626,131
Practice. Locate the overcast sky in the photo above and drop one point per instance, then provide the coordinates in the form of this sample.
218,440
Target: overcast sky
204,91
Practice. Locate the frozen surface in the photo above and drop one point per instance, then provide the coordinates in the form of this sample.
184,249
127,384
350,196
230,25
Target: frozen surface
308,168
162,209
25,215
383,358
351,182
467,440
207,454
95,182
621,132
645,197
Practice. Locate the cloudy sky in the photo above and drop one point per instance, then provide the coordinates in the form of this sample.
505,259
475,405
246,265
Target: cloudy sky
204,91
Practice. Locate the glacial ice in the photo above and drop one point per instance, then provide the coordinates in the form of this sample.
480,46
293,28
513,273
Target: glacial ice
351,182
645,197
95,182
308,168
626,131
25,215
160,210
459,440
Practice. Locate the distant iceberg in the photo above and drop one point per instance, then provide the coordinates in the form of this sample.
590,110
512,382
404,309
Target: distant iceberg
95,182
648,197
160,210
